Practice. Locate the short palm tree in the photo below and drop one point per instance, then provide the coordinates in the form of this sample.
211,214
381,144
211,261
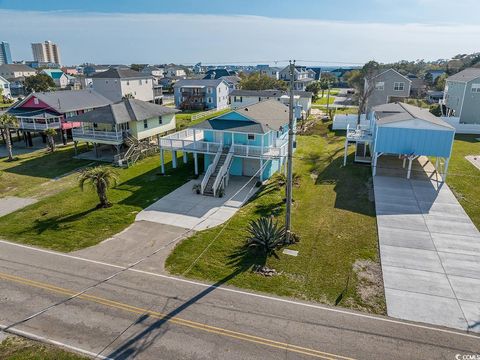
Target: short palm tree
266,235
51,133
101,178
7,122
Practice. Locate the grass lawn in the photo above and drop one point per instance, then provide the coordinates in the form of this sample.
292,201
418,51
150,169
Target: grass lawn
334,217
184,119
323,100
463,178
35,174
16,348
64,221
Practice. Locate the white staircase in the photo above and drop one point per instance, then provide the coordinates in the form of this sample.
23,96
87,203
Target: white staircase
216,179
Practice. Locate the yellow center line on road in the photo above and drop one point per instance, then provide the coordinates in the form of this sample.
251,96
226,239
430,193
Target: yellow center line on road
176,320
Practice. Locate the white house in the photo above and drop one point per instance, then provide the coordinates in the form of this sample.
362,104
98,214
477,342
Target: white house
5,87
154,71
60,79
10,71
201,94
302,99
116,84
172,71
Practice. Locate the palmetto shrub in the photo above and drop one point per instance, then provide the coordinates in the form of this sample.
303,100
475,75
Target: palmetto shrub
266,235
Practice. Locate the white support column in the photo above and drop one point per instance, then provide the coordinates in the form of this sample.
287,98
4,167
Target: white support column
162,160
410,161
261,169
195,159
345,153
375,158
444,175
184,157
174,159
404,162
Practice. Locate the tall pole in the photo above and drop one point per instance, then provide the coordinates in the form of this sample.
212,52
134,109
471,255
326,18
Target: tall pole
291,124
328,97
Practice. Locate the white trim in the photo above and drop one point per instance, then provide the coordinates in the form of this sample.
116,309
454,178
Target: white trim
222,288
463,101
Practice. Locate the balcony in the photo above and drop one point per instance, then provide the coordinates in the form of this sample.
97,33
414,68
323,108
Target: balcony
100,136
192,140
39,124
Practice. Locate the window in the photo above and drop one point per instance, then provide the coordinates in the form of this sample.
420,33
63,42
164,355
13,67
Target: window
380,85
251,136
259,99
476,88
399,86
209,90
210,100
145,124
160,120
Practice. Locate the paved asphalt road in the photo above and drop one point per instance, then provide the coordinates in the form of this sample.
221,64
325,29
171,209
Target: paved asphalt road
149,316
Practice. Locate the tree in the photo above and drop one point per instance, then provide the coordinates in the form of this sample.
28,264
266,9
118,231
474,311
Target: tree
7,122
428,79
314,88
440,82
258,81
39,82
101,178
51,133
137,67
266,235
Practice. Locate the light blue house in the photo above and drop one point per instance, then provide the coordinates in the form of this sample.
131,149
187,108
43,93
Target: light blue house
201,94
402,130
249,141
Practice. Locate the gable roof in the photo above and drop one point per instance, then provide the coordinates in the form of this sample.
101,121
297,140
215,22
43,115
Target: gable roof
69,100
231,79
53,73
124,73
398,112
465,75
123,112
198,82
218,73
16,68
269,93
388,70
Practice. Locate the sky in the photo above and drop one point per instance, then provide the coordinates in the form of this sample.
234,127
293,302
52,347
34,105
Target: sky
315,32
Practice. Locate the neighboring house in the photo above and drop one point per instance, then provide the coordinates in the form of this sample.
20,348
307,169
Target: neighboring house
218,73
418,87
89,70
249,141
116,84
12,71
5,87
273,72
302,99
301,79
232,81
154,71
42,110
201,94
434,97
404,130
462,96
58,76
340,74
316,71
115,124
388,86
70,70
173,71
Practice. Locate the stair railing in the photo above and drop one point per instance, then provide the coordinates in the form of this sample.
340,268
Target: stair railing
223,172
210,170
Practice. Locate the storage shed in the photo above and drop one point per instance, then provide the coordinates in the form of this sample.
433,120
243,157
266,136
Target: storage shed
410,132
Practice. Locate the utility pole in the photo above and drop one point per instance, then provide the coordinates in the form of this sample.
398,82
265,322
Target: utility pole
291,124
328,97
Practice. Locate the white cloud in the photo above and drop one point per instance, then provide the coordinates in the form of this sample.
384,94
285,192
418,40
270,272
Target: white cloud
158,38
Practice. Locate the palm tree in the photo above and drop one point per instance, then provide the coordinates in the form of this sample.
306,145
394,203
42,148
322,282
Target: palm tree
51,133
8,121
101,178
266,235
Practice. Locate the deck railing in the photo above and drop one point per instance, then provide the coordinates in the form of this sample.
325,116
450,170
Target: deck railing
97,134
210,170
35,125
223,172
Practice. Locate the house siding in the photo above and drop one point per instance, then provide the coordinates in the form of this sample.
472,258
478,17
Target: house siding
462,102
137,127
389,78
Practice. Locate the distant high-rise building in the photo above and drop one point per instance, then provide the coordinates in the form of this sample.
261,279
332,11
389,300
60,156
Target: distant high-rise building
5,56
46,52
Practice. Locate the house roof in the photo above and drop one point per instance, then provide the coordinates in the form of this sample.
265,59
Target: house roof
16,68
198,82
115,73
69,100
398,112
231,78
388,70
232,125
37,114
218,73
2,79
123,112
465,75
269,93
53,73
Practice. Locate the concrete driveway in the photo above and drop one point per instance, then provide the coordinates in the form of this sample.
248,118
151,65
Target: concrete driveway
183,208
430,253
10,204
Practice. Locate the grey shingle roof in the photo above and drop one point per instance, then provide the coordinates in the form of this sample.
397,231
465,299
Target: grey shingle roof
465,75
15,68
70,100
197,82
269,93
397,112
231,125
114,73
123,112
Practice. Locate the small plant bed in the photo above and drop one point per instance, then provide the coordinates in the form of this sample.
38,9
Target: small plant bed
16,348
333,219
65,221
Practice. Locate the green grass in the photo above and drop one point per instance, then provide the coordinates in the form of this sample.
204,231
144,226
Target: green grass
15,348
29,174
324,100
332,214
184,119
463,178
3,105
65,221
